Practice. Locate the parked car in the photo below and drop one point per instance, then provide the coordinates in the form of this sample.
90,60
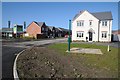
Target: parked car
66,36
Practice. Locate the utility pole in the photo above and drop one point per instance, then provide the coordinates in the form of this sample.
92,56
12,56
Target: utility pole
69,37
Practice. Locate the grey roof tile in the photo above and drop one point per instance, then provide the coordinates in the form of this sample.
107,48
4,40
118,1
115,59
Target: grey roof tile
39,23
7,29
99,15
103,15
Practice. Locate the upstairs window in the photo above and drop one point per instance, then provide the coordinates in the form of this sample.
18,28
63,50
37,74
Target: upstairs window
42,28
104,34
80,34
80,23
104,23
90,22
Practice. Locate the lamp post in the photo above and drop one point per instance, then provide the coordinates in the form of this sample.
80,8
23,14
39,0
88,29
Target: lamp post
69,38
108,49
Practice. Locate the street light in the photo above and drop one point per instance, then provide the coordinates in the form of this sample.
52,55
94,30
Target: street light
69,38
108,49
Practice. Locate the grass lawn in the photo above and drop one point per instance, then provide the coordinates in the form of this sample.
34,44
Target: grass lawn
108,61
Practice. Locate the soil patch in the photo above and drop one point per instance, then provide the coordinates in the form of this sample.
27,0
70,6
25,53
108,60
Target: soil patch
42,62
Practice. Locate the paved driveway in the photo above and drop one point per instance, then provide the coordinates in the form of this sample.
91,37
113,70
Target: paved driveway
10,49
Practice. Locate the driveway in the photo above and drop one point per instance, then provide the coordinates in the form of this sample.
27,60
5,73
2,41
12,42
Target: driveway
11,49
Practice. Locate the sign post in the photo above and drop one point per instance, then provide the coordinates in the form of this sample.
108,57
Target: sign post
69,38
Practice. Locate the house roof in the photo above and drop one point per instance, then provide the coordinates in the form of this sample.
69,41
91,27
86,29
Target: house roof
77,15
6,30
98,15
39,23
51,27
116,31
57,29
103,15
64,29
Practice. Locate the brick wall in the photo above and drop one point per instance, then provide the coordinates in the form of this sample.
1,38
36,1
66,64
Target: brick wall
33,29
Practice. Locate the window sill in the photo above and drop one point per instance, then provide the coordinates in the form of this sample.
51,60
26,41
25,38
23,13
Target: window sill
104,38
80,37
104,26
80,26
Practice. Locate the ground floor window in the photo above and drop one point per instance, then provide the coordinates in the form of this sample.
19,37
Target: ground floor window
80,34
104,34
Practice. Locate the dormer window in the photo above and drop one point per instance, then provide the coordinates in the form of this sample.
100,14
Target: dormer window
80,23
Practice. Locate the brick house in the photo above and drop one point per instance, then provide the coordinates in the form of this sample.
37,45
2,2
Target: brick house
51,32
37,30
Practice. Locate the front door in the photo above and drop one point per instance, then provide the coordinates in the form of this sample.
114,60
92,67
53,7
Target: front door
90,36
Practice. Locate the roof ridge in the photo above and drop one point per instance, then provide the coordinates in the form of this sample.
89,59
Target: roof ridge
100,12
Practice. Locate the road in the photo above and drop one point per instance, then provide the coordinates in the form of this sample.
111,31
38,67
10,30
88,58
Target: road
11,49
8,56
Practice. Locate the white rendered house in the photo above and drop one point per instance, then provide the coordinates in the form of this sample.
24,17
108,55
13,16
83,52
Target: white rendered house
88,26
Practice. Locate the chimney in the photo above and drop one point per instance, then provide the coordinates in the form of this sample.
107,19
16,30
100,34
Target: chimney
24,25
82,11
8,24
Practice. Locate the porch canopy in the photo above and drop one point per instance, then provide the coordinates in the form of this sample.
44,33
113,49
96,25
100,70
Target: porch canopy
91,30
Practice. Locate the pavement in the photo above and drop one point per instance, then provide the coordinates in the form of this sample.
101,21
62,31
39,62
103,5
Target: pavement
11,49
85,51
28,44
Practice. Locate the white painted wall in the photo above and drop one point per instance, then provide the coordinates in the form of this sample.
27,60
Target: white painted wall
86,16
106,28
26,34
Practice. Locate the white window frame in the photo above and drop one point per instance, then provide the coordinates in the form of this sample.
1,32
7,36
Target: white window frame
80,34
90,21
104,34
80,23
104,23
